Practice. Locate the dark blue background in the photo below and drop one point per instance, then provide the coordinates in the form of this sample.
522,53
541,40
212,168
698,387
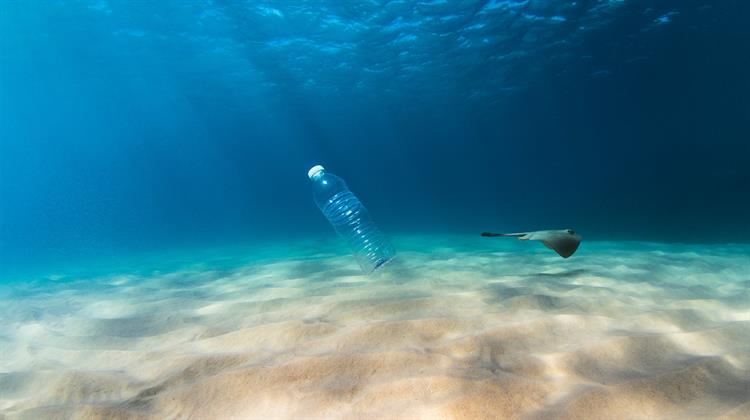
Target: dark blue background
127,127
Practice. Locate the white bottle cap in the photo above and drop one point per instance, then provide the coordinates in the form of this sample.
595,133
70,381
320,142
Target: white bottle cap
314,171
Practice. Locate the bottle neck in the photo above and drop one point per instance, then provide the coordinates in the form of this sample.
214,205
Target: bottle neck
317,176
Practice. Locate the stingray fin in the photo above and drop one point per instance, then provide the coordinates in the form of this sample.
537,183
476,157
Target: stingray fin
564,250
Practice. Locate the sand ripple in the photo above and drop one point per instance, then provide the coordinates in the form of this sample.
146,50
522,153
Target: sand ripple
620,331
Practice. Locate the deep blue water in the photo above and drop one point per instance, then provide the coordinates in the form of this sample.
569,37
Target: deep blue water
130,127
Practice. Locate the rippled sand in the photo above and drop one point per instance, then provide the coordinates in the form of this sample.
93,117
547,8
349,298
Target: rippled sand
456,328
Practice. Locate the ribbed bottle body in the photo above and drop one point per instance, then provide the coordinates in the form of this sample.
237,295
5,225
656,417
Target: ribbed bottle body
352,222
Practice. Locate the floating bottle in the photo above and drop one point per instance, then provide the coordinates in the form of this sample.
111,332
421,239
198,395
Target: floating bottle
350,219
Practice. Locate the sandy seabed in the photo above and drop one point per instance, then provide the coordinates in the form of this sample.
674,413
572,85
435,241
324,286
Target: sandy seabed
454,328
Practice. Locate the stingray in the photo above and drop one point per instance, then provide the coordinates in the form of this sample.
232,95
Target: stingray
565,241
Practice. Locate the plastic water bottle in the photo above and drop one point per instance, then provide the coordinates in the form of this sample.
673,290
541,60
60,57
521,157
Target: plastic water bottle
350,219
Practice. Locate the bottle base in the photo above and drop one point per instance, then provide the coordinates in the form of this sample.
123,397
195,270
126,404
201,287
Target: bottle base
381,263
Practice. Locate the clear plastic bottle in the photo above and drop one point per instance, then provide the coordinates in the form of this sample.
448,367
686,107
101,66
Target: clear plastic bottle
350,219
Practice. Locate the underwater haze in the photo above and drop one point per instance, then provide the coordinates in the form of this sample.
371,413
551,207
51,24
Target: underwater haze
161,255
129,126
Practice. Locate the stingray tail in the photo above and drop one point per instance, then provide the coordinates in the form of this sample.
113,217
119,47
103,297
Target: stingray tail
490,234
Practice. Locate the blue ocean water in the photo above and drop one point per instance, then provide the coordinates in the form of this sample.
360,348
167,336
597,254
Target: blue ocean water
161,255
129,127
